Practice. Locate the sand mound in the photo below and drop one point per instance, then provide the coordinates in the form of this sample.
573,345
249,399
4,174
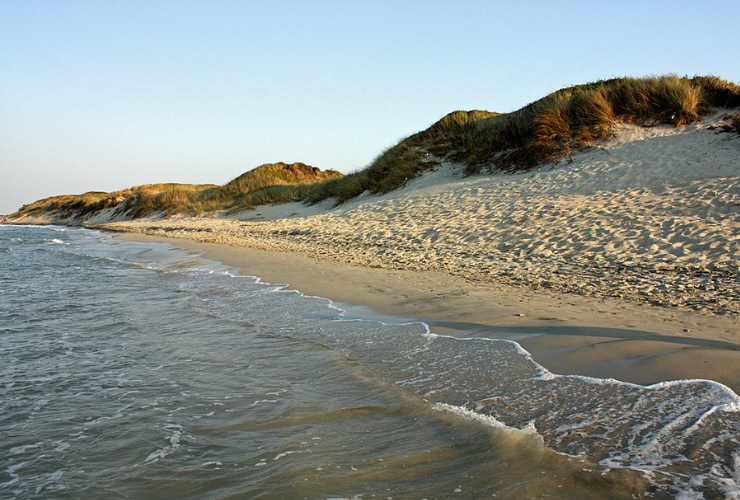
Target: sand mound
653,215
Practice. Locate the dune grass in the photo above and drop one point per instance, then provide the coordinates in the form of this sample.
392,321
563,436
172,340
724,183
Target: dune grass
574,118
80,202
398,164
165,198
140,199
286,193
270,183
546,130
273,174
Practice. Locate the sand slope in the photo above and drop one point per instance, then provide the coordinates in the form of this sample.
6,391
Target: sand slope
651,215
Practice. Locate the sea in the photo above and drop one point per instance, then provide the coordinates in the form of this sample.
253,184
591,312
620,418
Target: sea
136,370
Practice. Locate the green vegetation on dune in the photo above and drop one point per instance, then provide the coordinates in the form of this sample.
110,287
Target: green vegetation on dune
273,174
547,130
404,161
262,183
574,118
139,197
285,193
269,183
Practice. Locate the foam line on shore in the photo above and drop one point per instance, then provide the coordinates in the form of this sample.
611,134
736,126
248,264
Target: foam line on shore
637,458
731,403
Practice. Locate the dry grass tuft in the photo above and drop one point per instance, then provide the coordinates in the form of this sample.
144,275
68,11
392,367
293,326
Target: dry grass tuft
593,114
552,133
717,92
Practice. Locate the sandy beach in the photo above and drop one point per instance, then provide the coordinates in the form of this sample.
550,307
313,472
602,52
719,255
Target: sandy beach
650,216
370,250
566,333
631,239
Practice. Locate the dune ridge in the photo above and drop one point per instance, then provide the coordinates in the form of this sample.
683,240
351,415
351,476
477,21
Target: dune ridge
649,215
624,188
262,184
554,127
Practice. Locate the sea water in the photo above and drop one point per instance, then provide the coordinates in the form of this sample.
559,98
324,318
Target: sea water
137,370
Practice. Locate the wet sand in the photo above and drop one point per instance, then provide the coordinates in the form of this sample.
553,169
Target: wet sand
567,333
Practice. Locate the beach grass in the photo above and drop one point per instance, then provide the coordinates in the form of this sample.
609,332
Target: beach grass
269,183
574,118
398,164
547,130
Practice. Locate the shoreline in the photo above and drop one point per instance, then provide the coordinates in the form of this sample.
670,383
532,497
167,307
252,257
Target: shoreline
568,334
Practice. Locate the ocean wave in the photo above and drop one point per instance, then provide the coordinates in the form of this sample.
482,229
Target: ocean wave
674,417
682,434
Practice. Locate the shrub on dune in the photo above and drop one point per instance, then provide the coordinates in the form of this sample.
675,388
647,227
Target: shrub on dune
593,115
717,92
551,137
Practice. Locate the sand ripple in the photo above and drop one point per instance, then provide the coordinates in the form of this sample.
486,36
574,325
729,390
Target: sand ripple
652,215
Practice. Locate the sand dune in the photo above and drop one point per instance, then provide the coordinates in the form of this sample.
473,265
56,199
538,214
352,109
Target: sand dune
651,215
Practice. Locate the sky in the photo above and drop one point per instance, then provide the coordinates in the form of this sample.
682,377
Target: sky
104,95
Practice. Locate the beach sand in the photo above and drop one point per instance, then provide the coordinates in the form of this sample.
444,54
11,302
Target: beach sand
622,262
568,334
650,216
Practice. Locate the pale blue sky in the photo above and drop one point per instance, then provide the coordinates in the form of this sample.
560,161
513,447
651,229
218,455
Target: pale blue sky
104,94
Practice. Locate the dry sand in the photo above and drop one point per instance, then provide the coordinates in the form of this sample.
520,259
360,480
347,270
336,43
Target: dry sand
651,217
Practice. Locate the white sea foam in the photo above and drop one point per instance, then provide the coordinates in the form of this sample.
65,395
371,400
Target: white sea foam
263,401
489,420
174,444
646,457
285,454
729,401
